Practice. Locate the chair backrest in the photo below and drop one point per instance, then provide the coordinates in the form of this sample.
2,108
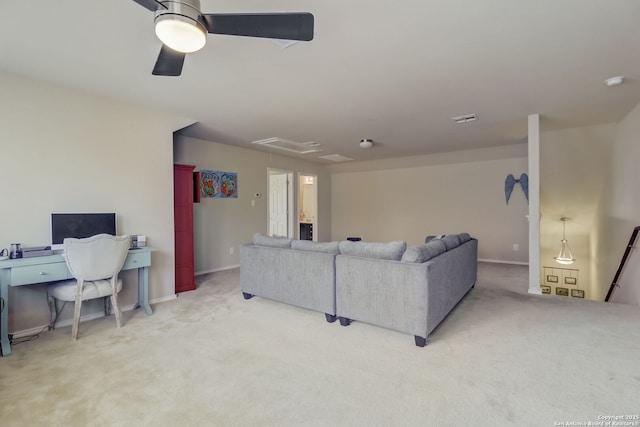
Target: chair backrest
97,257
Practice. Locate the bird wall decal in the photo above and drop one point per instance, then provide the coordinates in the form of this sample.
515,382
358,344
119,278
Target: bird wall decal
511,181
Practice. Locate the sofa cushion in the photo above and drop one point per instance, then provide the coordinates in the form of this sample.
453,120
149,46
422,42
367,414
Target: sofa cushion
391,251
260,239
423,253
430,238
464,237
451,241
308,245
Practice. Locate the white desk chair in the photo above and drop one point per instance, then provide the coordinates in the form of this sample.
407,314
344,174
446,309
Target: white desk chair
95,263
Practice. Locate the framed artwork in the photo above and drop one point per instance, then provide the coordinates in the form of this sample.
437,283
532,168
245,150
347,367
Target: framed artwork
570,281
577,293
217,184
552,278
562,291
546,289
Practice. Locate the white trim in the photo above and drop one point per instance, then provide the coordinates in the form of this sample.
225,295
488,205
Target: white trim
27,332
161,299
215,270
535,291
91,316
533,151
497,261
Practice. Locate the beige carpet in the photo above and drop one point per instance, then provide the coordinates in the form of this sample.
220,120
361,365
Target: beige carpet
210,358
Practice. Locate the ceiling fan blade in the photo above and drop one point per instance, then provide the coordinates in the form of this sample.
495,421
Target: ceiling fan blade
152,5
288,26
169,63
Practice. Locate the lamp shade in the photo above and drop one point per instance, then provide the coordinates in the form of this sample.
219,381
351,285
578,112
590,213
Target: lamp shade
564,256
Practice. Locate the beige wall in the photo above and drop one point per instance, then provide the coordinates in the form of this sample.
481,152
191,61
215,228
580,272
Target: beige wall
221,224
622,211
65,151
447,194
574,168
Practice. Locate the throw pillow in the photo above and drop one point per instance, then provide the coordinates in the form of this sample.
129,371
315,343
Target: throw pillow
451,241
391,251
260,239
308,245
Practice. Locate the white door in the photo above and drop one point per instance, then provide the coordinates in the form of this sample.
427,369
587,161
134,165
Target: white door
278,204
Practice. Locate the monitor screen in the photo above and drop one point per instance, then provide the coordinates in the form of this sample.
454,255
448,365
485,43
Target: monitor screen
81,225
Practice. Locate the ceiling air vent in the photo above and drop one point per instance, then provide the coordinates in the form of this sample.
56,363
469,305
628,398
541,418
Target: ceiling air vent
291,146
465,118
336,158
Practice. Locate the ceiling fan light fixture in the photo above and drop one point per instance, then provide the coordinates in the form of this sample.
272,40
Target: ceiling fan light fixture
179,27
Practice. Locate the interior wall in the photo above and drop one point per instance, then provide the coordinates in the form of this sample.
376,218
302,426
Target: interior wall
574,167
66,151
222,225
622,213
441,196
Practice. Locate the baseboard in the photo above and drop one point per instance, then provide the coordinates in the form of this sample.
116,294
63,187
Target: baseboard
497,261
215,270
60,324
90,316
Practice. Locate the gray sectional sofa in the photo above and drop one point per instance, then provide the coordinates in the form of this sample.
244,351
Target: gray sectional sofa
296,272
409,290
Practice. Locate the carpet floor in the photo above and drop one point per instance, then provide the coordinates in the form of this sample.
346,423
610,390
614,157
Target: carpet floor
209,358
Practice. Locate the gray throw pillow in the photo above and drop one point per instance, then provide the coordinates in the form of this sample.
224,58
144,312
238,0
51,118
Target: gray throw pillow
260,239
430,238
391,251
451,241
464,237
423,253
308,245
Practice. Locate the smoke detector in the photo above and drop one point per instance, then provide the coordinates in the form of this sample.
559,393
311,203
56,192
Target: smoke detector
366,143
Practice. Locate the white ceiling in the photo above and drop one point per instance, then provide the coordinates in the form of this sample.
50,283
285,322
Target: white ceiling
391,71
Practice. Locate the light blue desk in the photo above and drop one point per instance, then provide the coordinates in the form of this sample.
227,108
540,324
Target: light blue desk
28,271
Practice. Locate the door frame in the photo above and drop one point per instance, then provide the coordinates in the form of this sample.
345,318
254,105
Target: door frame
290,199
314,224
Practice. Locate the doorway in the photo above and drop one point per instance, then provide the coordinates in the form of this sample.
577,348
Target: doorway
308,206
280,202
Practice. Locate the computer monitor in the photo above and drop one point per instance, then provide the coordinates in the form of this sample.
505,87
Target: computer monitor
80,225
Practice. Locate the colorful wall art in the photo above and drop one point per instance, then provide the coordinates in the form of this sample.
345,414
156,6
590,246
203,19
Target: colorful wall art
216,184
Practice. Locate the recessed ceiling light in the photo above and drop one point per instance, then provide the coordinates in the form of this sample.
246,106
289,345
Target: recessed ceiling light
614,81
465,118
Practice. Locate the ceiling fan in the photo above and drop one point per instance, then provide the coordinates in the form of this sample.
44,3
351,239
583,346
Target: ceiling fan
183,29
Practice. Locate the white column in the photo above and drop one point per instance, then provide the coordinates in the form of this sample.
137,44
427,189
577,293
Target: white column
534,204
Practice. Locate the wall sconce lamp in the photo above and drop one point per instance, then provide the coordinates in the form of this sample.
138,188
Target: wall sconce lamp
564,257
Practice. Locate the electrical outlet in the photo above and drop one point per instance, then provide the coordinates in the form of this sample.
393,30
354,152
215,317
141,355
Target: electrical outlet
231,250
515,246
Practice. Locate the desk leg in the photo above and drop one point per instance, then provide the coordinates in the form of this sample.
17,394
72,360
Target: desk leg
143,290
4,318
